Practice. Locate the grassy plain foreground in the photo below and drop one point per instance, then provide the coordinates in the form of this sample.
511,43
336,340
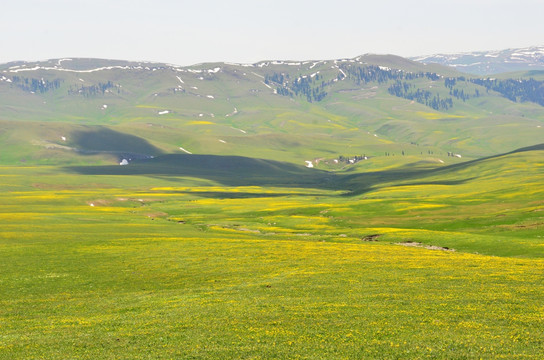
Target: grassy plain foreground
152,265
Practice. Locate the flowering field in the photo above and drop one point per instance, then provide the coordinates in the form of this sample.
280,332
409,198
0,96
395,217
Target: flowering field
124,267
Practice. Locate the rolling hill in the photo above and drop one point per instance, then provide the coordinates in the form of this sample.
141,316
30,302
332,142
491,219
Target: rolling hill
101,111
373,207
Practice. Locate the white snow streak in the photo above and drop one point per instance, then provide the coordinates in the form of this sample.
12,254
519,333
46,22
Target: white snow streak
242,131
237,64
61,60
78,71
233,113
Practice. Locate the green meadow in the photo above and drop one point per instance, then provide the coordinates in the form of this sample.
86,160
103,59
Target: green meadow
149,262
416,233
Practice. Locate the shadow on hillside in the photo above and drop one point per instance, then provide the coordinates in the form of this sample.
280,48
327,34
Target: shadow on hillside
408,175
466,164
244,171
239,195
361,183
227,170
98,139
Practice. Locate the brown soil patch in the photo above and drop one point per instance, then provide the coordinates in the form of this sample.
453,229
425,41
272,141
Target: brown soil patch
373,237
156,214
420,245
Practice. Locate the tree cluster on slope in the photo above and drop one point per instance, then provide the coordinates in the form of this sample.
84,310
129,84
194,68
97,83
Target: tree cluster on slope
34,85
516,90
425,97
93,90
309,86
401,87
460,94
306,86
380,74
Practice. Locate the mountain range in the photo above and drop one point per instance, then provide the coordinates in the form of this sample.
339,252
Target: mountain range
362,208
491,62
305,112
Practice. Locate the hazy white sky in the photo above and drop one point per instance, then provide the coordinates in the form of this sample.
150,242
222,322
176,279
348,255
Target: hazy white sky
188,32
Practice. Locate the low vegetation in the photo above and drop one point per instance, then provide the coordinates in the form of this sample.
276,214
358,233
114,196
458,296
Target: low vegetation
166,265
417,231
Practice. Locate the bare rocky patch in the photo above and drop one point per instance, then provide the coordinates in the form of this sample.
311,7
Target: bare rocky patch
373,237
425,246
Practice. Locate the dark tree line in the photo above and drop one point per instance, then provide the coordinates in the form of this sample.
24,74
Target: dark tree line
306,86
516,90
36,85
373,73
315,90
459,94
425,97
310,87
93,90
276,78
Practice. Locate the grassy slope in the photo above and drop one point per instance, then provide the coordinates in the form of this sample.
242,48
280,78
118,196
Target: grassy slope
169,265
235,106
223,256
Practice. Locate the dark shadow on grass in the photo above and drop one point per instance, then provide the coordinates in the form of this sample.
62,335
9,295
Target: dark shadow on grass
245,171
227,170
238,195
361,183
99,139
358,184
466,164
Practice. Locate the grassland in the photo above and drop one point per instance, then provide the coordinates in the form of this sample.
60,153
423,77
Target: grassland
228,109
147,261
240,251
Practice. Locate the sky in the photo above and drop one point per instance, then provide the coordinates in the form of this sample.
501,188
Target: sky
246,31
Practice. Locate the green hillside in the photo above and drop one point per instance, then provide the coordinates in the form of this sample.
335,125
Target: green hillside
278,110
201,256
359,208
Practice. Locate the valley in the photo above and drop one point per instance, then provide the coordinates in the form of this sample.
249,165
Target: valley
373,207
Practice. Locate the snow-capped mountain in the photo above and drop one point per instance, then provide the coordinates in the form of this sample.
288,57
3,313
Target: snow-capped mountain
491,62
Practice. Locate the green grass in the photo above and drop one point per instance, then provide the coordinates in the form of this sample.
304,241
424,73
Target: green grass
240,251
150,296
264,125
168,264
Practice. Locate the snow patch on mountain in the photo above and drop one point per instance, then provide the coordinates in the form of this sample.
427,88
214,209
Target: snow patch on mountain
491,62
